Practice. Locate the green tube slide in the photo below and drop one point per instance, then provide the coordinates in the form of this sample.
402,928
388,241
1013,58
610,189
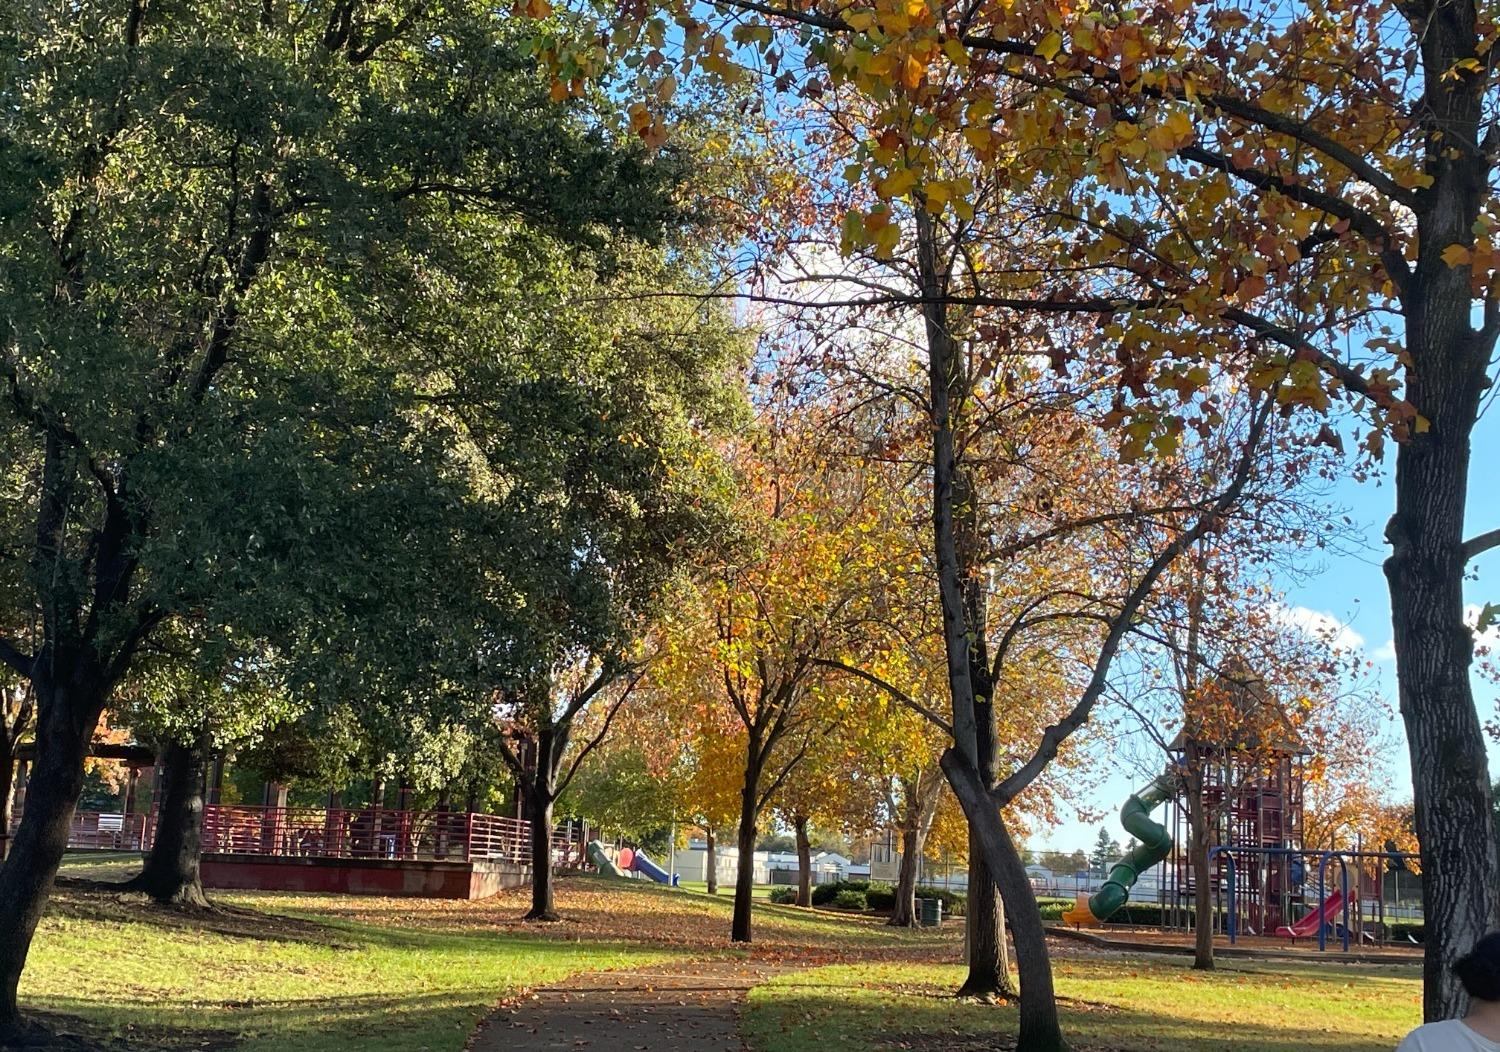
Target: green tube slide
1155,845
601,861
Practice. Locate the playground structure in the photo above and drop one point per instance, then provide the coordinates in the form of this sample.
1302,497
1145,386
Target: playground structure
629,860
1264,881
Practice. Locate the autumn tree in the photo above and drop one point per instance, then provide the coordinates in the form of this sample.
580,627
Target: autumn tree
1305,199
793,586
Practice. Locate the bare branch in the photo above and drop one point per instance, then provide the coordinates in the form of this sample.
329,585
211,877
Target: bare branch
1476,546
890,688
1054,736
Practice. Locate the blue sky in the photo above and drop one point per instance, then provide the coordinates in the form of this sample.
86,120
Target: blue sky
1352,589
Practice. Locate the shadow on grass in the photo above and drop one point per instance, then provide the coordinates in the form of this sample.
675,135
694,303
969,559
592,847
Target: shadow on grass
315,1024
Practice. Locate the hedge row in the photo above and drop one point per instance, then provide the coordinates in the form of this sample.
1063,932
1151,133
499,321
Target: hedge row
862,894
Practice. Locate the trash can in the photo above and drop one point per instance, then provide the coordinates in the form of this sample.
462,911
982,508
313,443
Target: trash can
932,912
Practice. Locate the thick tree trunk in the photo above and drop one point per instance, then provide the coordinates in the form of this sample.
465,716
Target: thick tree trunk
1040,1030
539,812
804,862
989,976
1446,377
904,915
170,875
1434,647
65,726
711,861
744,880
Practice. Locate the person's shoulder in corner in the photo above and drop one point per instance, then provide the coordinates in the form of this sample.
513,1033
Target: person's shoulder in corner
1451,1035
1479,1030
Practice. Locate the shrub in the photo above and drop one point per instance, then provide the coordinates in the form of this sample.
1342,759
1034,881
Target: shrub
785,896
881,897
1399,932
1053,909
824,894
850,899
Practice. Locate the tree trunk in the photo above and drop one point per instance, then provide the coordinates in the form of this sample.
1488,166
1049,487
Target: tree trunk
65,725
744,880
1040,1030
988,954
170,875
539,812
1434,647
711,861
7,796
904,915
804,862
1203,892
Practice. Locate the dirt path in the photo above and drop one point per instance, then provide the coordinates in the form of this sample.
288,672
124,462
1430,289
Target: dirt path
686,1006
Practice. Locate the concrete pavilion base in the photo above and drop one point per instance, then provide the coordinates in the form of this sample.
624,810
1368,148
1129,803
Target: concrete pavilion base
363,876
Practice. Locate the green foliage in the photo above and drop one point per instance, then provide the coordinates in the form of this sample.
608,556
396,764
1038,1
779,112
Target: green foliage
618,793
318,330
784,895
850,899
1106,851
955,903
881,897
824,894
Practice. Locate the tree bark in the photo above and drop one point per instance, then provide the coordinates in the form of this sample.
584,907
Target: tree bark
989,976
66,719
804,862
1200,836
904,915
1040,1029
1446,377
170,875
744,881
711,861
1434,647
7,797
539,812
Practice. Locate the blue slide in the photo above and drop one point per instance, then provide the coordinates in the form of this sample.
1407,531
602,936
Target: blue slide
641,864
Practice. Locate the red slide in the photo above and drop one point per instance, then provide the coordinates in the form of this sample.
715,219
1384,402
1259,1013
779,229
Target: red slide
1308,925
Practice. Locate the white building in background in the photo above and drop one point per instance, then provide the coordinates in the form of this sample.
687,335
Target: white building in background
771,867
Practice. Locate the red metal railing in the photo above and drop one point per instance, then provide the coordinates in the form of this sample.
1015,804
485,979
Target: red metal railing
315,832
318,832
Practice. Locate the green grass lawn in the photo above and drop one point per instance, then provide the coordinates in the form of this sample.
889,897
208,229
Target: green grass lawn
290,986
760,891
1111,1003
309,973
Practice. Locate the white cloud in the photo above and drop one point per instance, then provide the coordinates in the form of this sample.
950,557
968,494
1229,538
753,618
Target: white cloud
1323,625
1385,651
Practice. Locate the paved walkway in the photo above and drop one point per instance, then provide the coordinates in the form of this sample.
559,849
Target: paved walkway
680,1007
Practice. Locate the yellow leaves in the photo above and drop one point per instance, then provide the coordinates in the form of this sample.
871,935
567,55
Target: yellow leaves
537,9
956,52
1456,255
1049,46
897,184
912,71
861,21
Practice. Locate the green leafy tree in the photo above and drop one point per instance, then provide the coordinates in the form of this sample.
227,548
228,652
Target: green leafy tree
1106,850
215,224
